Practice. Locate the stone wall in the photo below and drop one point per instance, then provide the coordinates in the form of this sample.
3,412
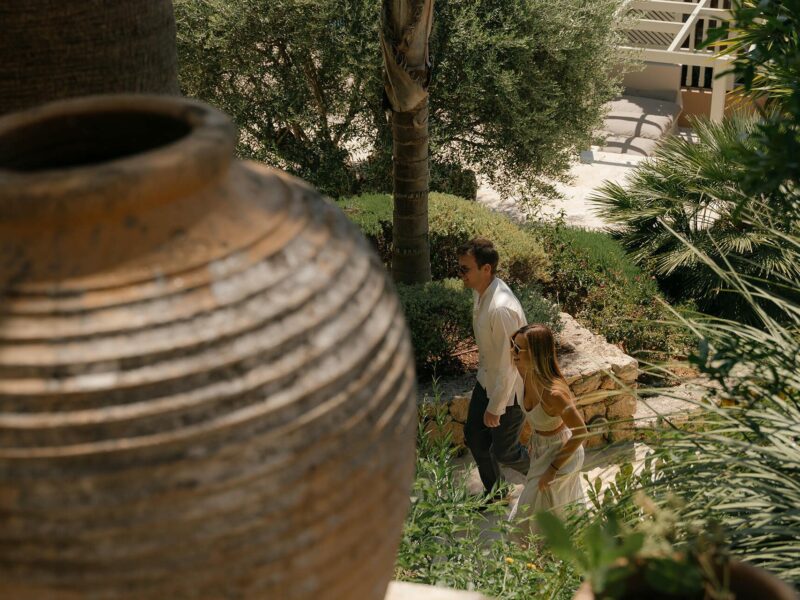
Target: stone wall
600,375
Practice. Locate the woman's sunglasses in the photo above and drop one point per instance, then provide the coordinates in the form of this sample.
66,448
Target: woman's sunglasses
515,348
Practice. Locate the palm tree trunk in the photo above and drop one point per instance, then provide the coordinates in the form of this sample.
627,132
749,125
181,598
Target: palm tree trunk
51,49
404,41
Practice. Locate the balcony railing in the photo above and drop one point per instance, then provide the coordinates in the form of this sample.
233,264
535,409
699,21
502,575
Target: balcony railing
669,32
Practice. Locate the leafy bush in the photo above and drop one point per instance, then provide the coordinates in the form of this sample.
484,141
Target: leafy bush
302,80
439,316
601,250
764,39
742,467
537,308
445,543
694,191
643,558
592,279
453,221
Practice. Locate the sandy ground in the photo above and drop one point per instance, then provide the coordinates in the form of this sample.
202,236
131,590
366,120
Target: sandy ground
585,178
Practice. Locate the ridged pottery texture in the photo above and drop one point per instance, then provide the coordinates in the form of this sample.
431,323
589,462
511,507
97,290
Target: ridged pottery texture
206,383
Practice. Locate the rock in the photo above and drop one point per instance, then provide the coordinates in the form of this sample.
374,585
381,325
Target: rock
564,347
685,399
428,410
456,431
622,431
587,384
628,370
598,430
608,383
592,354
595,441
621,407
437,432
592,409
459,408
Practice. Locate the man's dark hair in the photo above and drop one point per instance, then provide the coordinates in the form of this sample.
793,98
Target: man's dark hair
483,251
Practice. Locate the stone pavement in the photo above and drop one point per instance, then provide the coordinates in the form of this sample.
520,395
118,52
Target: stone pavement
586,177
587,174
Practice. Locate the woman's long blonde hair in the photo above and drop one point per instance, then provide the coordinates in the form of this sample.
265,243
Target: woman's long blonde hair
542,350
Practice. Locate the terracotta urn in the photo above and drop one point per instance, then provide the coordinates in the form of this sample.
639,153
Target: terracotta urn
206,382
746,582
52,49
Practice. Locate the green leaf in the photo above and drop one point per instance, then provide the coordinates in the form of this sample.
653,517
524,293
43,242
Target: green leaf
558,538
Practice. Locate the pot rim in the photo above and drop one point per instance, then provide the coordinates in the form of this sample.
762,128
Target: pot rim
741,570
158,173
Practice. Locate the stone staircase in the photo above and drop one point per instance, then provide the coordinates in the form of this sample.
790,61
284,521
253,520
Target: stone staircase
647,111
635,124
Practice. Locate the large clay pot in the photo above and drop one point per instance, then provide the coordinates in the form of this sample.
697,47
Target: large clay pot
51,49
206,383
746,582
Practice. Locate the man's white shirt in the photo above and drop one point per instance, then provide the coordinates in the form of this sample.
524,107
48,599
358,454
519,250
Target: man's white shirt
496,315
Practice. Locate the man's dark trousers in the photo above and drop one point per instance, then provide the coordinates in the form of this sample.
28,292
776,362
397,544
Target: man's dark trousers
493,446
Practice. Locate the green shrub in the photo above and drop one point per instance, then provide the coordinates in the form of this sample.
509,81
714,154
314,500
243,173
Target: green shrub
538,309
695,189
439,316
445,539
602,251
592,279
741,468
452,221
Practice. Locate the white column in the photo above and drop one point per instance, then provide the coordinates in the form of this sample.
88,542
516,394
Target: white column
719,86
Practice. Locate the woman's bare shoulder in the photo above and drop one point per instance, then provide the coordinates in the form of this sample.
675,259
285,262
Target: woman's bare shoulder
561,395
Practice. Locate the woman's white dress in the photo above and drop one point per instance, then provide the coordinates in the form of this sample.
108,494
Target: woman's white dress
567,487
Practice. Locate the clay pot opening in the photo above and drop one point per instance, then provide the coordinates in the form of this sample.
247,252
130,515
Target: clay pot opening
74,140
74,157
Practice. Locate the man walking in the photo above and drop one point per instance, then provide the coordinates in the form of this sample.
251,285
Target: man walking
495,416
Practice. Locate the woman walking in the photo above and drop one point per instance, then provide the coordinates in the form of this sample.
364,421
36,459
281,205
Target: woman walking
558,430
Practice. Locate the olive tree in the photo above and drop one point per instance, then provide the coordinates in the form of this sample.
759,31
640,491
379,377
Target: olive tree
516,88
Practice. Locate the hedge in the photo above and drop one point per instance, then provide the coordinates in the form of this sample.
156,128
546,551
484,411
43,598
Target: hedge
439,316
451,222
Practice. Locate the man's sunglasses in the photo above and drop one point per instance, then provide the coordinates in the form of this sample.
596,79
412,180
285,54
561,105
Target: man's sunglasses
463,269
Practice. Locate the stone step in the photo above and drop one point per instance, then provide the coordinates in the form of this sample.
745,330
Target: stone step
401,590
678,406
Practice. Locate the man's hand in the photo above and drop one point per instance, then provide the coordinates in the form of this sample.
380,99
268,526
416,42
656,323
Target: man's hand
491,420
